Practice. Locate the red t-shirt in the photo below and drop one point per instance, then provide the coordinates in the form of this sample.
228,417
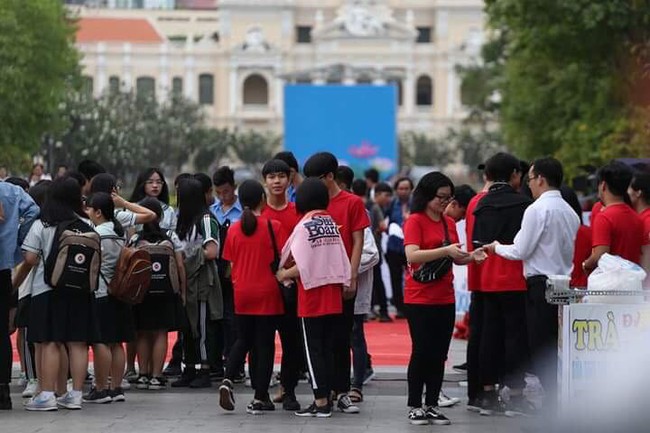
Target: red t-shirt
287,217
645,217
349,213
502,275
620,228
582,253
320,301
428,234
255,287
473,270
595,210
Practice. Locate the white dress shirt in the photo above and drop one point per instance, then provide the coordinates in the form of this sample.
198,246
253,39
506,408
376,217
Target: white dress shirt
546,240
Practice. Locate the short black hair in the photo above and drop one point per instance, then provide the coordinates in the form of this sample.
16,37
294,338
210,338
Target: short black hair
312,195
403,179
383,187
18,181
321,164
372,174
78,176
499,168
275,166
90,168
345,175
103,182
463,195
617,176
288,158
641,182
360,187
223,175
427,190
550,169
205,180
180,177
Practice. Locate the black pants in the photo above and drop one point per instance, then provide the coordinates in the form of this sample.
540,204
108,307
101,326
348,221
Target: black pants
430,327
542,335
201,349
396,263
474,387
5,343
292,354
379,290
342,365
318,339
254,334
29,355
504,346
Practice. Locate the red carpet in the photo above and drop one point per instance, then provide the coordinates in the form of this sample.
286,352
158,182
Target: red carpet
388,343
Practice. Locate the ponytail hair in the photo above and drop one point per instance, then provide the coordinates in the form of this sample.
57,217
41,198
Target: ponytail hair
251,196
103,202
151,231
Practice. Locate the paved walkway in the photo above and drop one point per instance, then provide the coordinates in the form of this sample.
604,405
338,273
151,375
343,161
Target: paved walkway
197,411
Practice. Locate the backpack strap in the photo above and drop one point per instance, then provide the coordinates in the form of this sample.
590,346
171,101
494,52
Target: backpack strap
276,254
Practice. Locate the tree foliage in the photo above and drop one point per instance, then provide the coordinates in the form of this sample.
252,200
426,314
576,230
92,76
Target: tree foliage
575,78
419,149
38,66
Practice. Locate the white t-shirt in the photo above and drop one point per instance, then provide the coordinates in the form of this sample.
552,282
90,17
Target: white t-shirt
126,218
39,241
168,221
111,249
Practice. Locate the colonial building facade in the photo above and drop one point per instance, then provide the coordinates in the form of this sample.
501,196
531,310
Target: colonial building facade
235,60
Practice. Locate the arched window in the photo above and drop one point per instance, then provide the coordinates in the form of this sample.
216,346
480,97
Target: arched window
145,87
397,83
87,86
424,91
206,89
113,84
256,90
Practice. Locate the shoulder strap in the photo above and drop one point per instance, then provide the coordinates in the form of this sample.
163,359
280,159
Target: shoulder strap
444,225
276,254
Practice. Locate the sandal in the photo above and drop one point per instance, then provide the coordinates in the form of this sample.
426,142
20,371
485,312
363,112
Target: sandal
356,396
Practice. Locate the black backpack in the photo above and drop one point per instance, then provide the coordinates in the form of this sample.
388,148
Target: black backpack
164,269
75,257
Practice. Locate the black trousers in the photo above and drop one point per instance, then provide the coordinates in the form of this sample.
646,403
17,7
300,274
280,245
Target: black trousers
292,353
431,327
542,335
342,365
318,339
504,345
255,334
5,343
474,387
201,349
379,290
396,263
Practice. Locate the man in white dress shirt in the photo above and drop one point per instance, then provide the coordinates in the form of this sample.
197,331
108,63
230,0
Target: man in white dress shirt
545,243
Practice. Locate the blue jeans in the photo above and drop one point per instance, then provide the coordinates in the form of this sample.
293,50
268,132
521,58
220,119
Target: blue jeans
359,351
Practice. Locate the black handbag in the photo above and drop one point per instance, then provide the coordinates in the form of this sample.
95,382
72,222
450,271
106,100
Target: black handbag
289,293
435,269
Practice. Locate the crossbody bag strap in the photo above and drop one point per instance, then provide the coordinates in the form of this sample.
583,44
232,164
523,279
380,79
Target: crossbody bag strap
276,254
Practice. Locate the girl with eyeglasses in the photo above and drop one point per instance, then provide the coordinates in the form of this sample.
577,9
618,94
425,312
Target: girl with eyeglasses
151,183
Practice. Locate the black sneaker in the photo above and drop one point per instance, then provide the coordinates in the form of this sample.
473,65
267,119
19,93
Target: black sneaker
142,382
417,416
520,406
98,397
385,318
461,368
345,405
172,369
226,397
216,375
474,405
315,411
239,378
289,402
202,380
435,416
117,395
259,407
157,383
186,378
492,404
5,397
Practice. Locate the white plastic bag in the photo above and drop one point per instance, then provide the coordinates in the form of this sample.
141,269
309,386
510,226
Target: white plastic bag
618,274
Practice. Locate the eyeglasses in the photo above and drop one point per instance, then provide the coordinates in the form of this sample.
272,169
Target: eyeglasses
154,182
533,177
445,198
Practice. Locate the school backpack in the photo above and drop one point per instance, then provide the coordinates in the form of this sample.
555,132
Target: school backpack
164,269
75,257
132,276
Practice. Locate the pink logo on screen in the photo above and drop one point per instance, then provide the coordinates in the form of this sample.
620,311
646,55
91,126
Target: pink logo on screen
363,150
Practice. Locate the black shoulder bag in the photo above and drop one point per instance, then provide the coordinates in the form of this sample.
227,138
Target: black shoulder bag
435,269
289,293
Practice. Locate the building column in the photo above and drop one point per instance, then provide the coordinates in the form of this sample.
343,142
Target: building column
451,88
101,80
408,89
164,82
233,90
127,68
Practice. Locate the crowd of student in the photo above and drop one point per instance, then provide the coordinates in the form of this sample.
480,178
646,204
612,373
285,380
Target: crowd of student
299,256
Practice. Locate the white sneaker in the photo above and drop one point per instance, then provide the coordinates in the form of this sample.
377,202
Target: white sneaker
125,385
446,401
70,401
22,380
31,388
40,404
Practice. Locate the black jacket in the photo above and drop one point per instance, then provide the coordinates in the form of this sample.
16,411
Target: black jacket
499,214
